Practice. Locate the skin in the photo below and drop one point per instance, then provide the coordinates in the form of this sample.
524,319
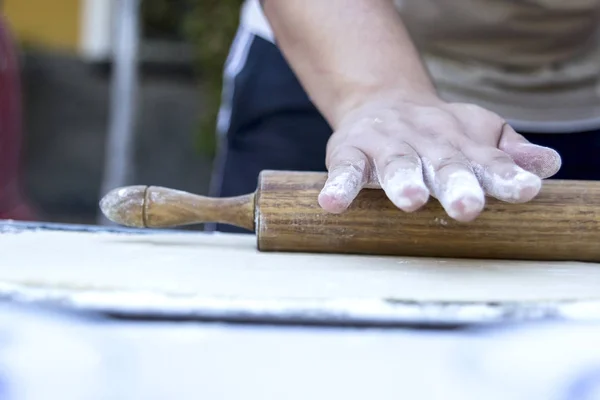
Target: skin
391,130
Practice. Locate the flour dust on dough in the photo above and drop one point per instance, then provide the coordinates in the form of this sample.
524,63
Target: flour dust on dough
228,265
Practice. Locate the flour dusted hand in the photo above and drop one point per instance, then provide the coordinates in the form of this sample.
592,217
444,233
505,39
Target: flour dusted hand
391,129
412,150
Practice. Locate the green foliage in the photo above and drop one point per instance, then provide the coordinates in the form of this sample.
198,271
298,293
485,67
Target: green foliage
162,18
210,25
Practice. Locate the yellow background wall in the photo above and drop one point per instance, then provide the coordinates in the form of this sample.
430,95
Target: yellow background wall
50,23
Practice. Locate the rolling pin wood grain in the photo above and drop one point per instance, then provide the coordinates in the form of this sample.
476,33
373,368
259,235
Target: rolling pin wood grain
561,224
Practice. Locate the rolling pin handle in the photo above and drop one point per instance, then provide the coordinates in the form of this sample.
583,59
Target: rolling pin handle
159,207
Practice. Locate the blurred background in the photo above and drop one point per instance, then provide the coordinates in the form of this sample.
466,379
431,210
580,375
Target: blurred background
53,167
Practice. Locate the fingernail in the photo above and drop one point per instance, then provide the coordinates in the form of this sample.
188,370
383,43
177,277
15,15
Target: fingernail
406,189
466,208
462,196
340,189
539,160
513,185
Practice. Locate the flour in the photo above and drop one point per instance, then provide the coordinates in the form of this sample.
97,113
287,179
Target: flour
441,221
342,186
544,164
405,187
459,193
514,185
120,204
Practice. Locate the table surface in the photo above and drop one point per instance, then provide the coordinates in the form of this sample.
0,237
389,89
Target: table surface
67,353
183,275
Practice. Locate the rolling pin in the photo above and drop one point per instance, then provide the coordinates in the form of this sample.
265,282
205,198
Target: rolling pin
561,224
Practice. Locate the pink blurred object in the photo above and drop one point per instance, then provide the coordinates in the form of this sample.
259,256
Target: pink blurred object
13,204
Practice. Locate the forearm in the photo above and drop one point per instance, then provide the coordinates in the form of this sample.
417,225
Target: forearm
342,51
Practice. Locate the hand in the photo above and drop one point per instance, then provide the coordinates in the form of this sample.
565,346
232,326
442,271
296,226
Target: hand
414,149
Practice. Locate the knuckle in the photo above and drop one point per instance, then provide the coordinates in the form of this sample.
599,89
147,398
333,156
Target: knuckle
488,154
347,157
499,158
478,114
397,152
469,107
452,163
406,159
435,120
393,163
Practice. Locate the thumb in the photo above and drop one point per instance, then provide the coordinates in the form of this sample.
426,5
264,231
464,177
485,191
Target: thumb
539,160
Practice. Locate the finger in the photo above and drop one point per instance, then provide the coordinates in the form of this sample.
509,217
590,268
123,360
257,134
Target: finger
452,181
539,160
400,173
348,171
500,177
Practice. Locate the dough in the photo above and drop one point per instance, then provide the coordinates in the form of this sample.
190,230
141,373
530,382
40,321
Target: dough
229,265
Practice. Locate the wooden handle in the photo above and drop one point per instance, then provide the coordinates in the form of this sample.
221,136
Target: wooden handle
159,207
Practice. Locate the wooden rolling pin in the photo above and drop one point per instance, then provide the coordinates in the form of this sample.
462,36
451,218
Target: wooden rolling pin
561,223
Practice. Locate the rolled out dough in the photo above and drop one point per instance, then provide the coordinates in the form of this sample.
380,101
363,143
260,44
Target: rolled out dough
229,265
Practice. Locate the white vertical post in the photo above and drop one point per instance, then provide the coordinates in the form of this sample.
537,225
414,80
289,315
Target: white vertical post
96,29
118,156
